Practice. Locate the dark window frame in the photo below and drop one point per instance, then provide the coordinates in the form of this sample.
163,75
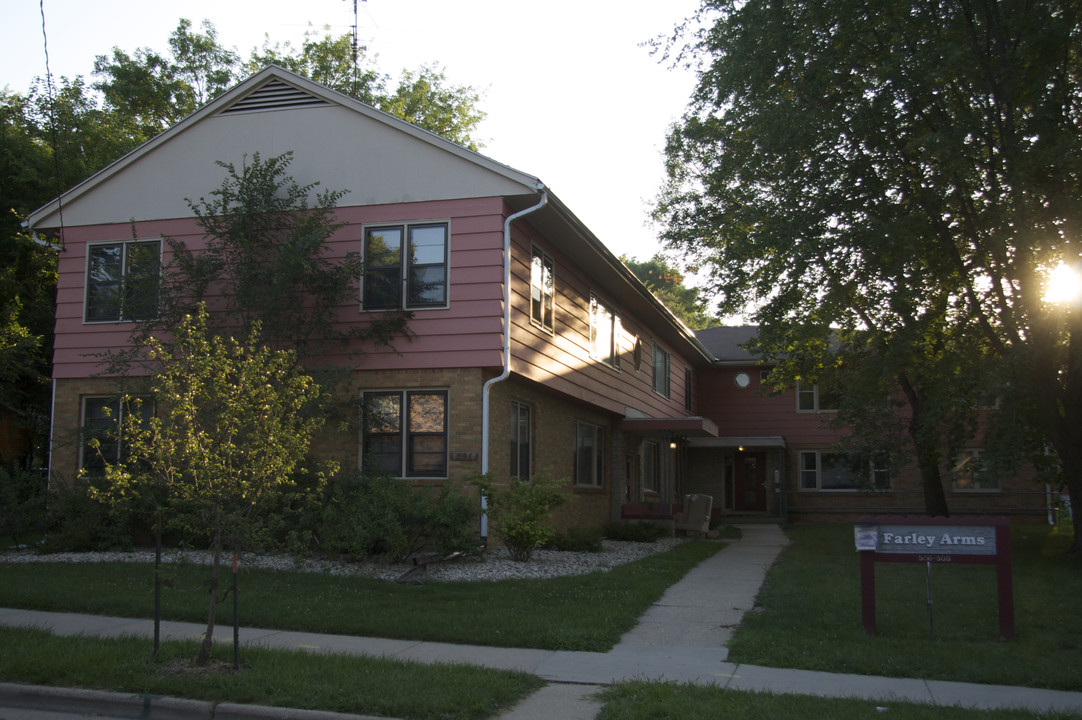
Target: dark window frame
521,447
661,374
400,444
107,428
398,282
594,465
117,298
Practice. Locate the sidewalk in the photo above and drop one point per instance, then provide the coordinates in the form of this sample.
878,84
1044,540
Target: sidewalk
680,639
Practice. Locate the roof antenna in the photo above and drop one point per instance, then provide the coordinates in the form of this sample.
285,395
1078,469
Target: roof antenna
52,124
356,73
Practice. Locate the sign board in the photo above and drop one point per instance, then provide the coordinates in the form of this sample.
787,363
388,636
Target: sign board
935,540
935,543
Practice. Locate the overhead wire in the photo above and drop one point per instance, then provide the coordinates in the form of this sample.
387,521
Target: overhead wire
52,125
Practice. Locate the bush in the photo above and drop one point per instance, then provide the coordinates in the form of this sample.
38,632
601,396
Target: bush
22,503
634,531
79,521
520,509
577,540
364,514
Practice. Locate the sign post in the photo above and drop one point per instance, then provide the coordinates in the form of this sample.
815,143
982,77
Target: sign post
928,540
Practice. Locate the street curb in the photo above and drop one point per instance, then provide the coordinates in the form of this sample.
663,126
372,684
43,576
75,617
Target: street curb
100,702
149,707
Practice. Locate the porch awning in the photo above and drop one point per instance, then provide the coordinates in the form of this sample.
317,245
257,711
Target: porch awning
751,441
690,427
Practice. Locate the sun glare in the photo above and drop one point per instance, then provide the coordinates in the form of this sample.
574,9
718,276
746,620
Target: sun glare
1063,286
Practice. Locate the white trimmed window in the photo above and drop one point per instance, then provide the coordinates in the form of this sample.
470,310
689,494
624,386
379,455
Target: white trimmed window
589,458
971,473
542,290
122,280
828,470
815,398
404,433
405,266
605,331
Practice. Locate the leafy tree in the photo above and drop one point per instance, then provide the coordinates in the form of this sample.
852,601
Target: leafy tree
27,284
266,260
328,60
667,284
911,170
425,99
150,91
230,430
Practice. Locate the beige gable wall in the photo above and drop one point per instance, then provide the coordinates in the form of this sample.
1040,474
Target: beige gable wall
334,145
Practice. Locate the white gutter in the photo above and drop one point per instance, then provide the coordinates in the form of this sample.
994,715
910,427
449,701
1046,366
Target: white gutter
486,390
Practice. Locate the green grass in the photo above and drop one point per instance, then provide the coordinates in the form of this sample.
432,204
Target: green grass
292,679
588,612
808,614
667,701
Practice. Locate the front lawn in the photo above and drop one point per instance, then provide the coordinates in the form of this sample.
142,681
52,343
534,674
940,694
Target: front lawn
586,612
808,614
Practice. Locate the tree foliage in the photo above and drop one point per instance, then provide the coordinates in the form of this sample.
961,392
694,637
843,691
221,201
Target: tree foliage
898,179
231,426
266,261
667,284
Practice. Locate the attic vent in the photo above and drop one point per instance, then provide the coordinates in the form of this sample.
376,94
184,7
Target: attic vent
274,95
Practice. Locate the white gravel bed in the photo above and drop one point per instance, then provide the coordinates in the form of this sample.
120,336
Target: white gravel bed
494,565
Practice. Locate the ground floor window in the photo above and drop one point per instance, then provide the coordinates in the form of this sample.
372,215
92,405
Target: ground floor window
405,433
970,472
649,465
588,455
102,420
520,440
827,470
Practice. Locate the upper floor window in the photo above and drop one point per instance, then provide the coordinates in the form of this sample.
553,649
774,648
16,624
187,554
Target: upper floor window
604,333
520,440
122,280
662,369
970,472
824,470
405,432
687,389
405,266
102,421
542,290
589,458
815,398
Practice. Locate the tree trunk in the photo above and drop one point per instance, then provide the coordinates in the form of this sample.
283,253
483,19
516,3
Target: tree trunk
216,549
935,500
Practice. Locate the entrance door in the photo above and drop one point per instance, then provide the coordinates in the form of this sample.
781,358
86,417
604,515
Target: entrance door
750,482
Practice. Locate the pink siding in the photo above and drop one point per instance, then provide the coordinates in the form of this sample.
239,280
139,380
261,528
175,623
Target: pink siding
467,334
562,361
752,411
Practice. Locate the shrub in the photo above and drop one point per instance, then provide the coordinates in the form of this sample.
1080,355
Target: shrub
79,521
520,509
634,531
22,503
364,514
580,539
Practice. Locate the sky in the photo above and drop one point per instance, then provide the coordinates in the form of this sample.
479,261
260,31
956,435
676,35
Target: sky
572,95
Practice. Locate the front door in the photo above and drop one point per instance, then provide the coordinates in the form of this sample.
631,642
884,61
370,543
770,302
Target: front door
750,476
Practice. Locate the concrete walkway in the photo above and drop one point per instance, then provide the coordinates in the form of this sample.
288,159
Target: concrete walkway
682,639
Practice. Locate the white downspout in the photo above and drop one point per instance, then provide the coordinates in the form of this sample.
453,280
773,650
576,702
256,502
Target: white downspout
486,390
